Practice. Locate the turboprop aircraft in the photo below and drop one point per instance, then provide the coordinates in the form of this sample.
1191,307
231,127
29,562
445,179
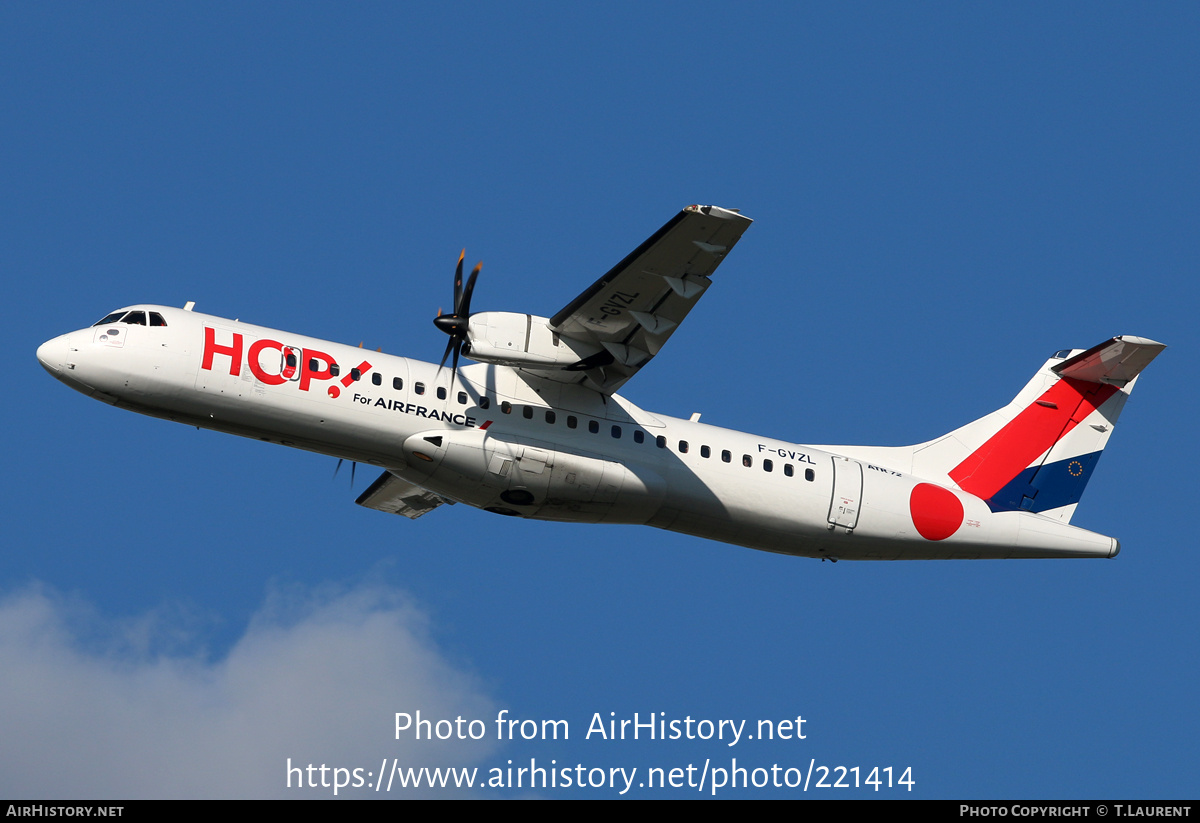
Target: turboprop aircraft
536,428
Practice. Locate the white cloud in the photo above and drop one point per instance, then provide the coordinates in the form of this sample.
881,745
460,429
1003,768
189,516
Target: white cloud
315,678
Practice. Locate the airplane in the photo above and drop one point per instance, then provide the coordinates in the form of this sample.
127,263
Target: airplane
535,427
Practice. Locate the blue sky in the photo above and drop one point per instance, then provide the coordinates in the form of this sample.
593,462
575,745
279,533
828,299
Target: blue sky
944,195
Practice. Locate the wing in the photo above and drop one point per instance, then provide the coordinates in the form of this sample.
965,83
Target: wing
395,496
630,312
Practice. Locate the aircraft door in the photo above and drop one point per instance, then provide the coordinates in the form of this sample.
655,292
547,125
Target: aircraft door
847,493
289,363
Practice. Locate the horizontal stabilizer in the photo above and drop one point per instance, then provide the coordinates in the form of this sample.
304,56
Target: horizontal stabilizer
395,496
1114,362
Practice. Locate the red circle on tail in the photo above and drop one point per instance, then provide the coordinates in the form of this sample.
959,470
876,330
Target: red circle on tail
936,512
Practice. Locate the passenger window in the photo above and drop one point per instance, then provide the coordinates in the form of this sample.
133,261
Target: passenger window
768,466
788,469
397,384
419,388
462,398
485,402
726,456
705,451
441,392
572,421
594,426
747,461
527,412
660,441
683,447
616,432
550,418
334,369
809,474
639,436
377,379
355,374
156,319
506,407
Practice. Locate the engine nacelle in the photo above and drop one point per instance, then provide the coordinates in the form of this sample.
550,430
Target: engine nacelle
521,340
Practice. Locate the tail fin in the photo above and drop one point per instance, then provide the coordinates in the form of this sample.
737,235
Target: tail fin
1038,452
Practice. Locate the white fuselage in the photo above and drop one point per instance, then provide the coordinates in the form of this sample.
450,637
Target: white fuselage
530,446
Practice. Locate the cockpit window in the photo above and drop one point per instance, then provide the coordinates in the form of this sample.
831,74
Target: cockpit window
136,318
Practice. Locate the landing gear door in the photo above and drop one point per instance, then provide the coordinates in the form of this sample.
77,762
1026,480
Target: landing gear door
847,493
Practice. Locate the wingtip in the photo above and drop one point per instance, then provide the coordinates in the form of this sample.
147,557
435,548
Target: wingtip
717,211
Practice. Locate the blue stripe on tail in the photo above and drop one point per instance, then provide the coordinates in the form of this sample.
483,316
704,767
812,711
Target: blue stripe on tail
1041,488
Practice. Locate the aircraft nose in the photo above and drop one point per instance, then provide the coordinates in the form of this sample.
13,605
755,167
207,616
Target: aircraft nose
53,354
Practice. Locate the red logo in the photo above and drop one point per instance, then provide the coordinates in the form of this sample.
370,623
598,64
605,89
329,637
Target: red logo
314,364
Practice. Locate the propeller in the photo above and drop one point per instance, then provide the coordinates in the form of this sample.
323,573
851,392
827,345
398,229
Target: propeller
337,468
456,324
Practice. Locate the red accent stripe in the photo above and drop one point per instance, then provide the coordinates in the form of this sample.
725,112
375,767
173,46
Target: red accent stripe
1009,451
485,425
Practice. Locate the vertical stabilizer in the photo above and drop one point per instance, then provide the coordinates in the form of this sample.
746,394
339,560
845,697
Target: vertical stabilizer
1038,452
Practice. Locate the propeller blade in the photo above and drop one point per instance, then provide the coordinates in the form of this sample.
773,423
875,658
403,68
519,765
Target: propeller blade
450,344
464,310
458,288
338,467
457,324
